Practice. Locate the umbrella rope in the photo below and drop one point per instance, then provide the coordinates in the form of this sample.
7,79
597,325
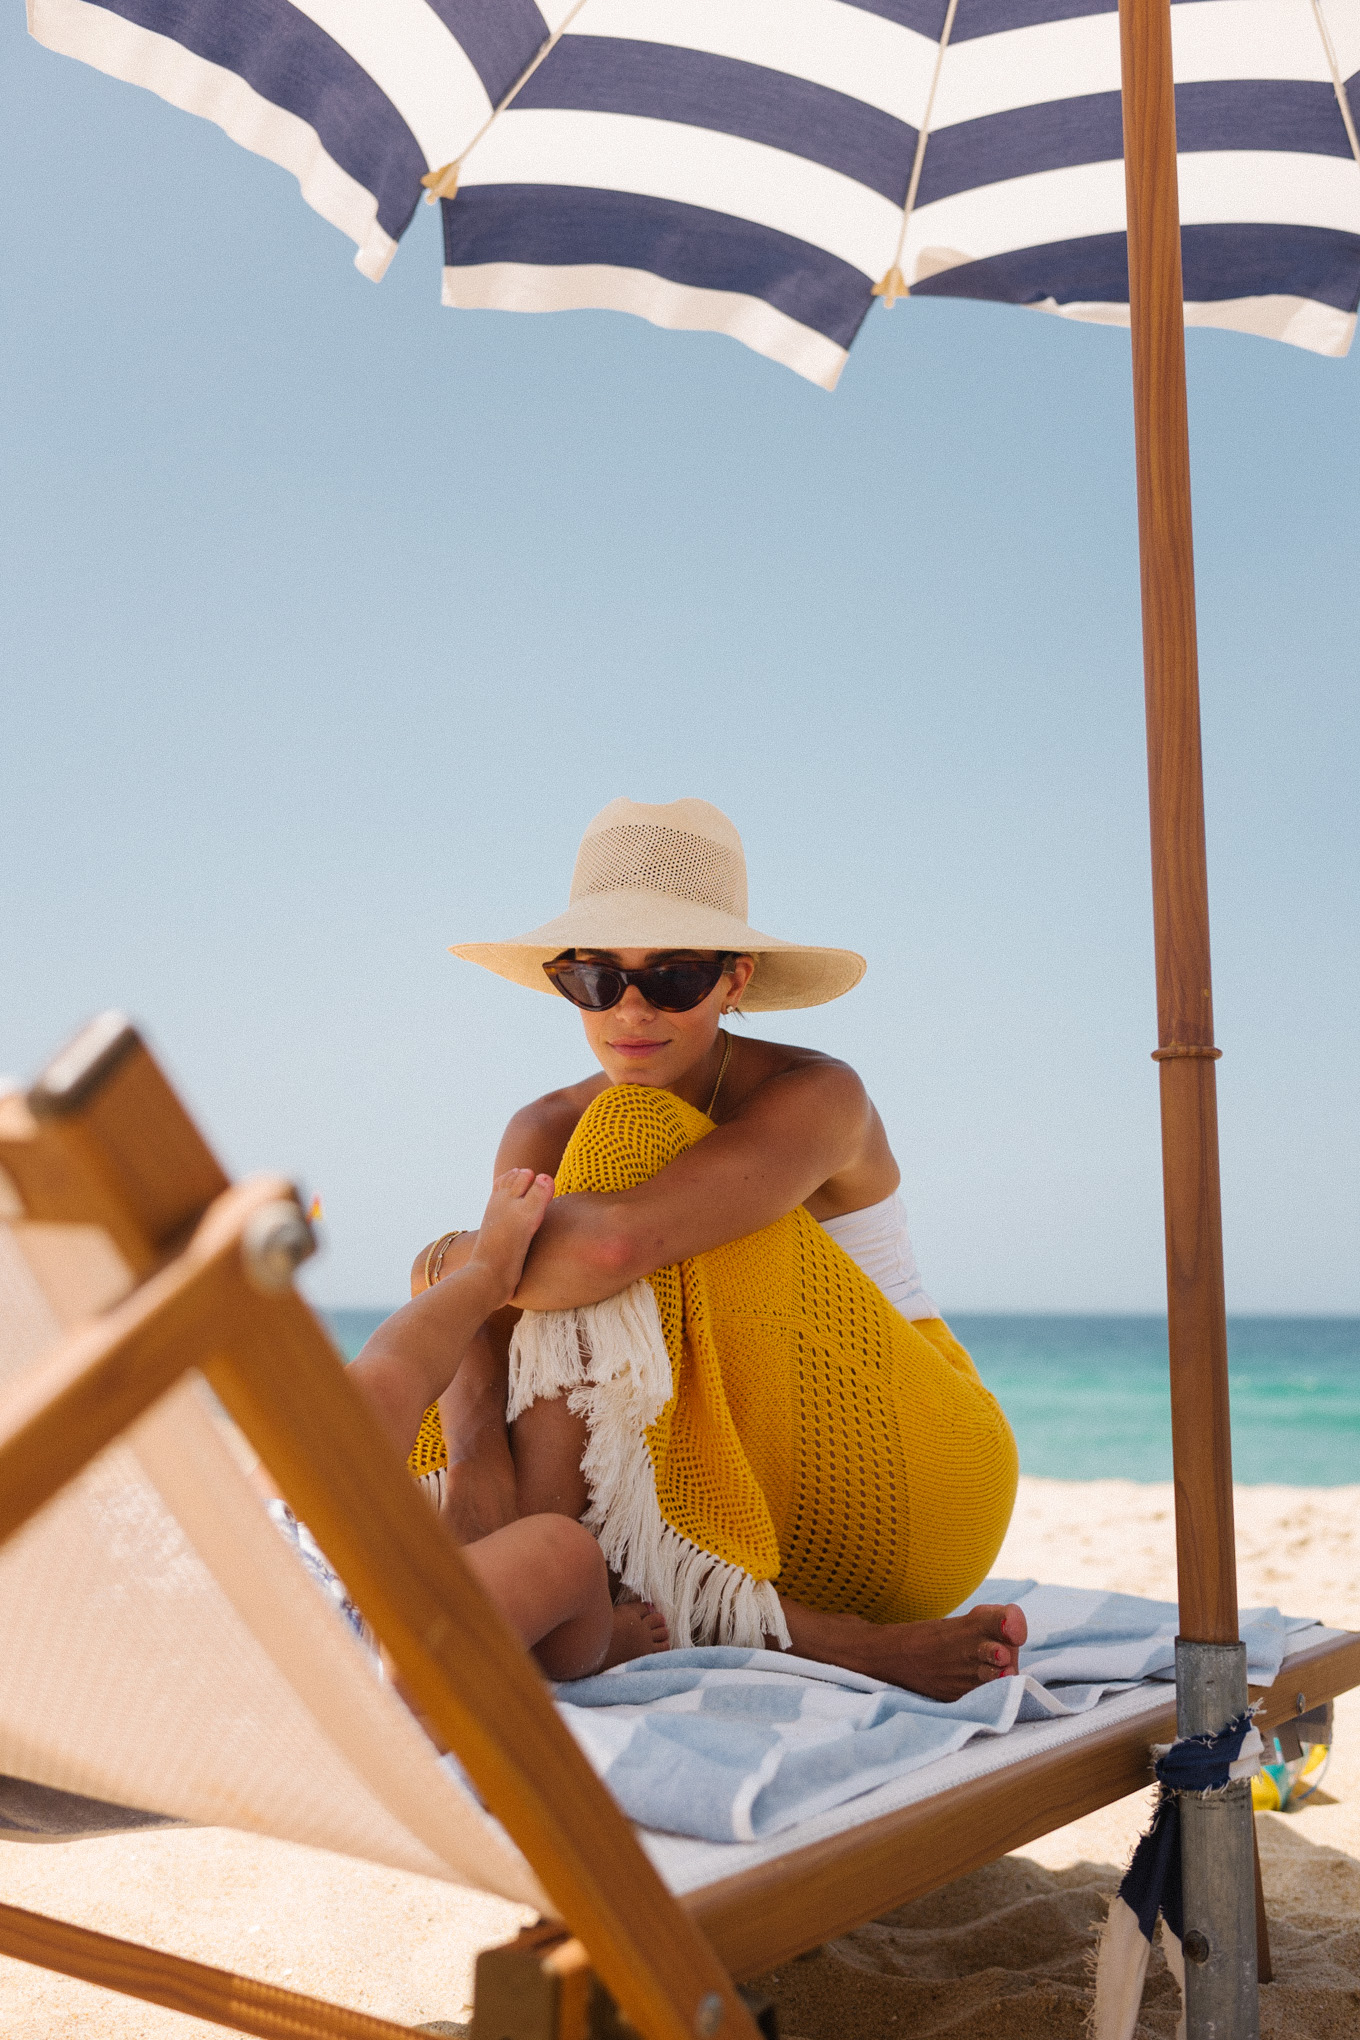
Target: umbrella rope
893,286
443,183
1338,82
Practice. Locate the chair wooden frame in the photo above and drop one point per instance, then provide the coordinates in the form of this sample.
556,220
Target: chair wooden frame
102,1139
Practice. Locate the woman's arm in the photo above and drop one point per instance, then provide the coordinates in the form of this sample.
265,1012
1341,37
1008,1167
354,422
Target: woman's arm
798,1129
413,1356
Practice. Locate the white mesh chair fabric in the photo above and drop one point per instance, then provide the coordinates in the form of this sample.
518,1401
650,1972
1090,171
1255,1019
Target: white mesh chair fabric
163,1648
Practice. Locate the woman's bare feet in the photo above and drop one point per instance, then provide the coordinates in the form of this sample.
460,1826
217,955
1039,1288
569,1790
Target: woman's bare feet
942,1660
639,1630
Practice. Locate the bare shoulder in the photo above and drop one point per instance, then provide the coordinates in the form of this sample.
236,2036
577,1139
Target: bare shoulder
537,1135
776,1075
815,1099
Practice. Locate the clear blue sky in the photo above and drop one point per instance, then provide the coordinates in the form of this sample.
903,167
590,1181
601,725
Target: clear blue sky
329,617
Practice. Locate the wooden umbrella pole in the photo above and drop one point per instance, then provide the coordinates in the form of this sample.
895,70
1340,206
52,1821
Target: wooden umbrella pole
1205,1554
1217,1862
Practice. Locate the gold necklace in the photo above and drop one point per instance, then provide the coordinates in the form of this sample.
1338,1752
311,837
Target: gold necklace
722,1070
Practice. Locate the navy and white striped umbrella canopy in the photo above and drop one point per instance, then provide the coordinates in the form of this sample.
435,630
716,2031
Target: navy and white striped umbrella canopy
764,168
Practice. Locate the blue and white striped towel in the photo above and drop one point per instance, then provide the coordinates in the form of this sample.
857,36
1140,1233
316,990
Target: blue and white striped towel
734,1745
730,1745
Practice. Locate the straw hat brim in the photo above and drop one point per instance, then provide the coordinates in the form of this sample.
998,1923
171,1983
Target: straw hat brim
787,974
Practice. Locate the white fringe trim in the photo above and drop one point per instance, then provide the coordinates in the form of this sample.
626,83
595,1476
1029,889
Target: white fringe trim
432,1486
610,1361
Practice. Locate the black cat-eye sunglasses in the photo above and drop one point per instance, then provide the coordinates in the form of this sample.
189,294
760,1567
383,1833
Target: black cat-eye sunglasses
672,987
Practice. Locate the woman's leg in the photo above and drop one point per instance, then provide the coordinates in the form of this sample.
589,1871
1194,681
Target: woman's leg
479,1482
548,1442
942,1659
495,1472
547,1576
489,1487
810,1417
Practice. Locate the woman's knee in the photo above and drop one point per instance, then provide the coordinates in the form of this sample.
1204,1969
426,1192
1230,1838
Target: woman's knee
565,1549
570,1563
624,1137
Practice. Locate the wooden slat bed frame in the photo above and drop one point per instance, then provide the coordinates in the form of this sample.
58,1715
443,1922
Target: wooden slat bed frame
102,1139
762,1917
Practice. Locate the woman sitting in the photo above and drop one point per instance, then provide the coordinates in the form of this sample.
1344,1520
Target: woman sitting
723,1362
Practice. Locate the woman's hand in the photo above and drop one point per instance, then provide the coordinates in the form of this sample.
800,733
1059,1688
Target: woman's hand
513,1214
414,1355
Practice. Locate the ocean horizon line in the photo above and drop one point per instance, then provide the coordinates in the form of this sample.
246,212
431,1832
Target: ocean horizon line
1329,1317
1088,1393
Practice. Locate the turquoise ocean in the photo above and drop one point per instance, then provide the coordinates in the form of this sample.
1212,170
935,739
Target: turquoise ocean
1088,1399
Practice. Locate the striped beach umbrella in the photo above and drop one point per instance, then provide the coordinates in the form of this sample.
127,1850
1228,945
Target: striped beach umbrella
765,168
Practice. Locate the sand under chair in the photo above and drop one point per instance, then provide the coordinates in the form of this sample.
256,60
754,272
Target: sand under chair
164,1649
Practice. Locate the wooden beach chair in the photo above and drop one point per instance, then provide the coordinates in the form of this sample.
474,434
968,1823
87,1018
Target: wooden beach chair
148,1325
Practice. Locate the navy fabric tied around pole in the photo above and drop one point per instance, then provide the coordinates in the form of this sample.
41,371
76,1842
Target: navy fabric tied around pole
1152,1882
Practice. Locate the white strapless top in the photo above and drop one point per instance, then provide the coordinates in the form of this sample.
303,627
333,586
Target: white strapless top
877,1239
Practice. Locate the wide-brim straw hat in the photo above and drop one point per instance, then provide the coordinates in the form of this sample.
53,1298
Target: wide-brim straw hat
669,877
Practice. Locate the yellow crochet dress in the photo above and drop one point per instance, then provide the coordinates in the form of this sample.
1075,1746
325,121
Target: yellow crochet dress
762,1421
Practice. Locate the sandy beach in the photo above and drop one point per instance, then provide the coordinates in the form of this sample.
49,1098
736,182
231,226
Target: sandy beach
1010,1943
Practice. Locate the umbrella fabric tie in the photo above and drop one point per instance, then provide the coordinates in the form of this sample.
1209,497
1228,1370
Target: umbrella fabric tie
1338,82
1151,1887
894,285
443,183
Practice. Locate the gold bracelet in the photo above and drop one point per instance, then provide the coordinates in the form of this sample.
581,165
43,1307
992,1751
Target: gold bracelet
434,1260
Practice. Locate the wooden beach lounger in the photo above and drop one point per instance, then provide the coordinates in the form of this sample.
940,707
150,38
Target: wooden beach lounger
163,1648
